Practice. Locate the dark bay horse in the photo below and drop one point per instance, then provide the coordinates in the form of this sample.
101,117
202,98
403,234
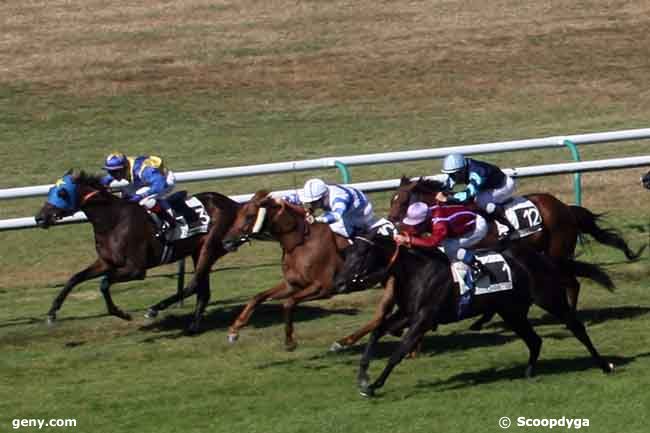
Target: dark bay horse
562,225
310,257
426,296
126,244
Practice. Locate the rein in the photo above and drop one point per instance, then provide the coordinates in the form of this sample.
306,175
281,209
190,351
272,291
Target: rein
88,196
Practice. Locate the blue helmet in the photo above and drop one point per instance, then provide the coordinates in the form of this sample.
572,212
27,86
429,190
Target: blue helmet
453,163
115,161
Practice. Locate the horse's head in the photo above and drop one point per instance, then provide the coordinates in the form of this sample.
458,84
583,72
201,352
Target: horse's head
367,260
262,214
411,191
67,196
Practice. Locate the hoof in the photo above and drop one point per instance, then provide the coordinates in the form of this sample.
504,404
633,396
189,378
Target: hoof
609,368
151,314
337,347
530,372
367,391
232,338
290,346
51,320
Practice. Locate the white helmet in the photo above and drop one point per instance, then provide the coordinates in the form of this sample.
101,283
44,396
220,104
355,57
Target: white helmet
314,189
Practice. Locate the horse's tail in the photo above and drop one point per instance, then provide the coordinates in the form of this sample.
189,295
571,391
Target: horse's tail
588,224
586,270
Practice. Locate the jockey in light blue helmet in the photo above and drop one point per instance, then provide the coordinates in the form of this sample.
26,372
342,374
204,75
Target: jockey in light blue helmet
486,184
149,183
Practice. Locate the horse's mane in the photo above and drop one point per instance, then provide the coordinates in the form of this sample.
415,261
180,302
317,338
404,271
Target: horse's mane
423,185
91,180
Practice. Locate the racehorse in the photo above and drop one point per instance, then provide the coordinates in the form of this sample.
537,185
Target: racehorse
562,226
310,257
426,295
126,243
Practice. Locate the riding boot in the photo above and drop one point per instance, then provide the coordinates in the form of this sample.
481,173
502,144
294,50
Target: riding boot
499,214
479,270
164,213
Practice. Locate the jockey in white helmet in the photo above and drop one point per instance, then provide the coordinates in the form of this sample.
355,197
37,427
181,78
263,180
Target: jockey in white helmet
347,210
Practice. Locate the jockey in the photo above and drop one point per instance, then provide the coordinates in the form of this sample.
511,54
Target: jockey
486,184
347,210
455,227
149,183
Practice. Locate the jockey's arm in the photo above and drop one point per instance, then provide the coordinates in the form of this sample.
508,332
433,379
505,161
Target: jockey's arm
339,207
153,178
472,190
106,179
438,234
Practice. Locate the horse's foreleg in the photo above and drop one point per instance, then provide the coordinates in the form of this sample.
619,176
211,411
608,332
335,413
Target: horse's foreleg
413,336
386,304
116,276
314,291
279,291
98,268
202,299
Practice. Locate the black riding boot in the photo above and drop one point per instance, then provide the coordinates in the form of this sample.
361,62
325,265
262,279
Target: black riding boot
164,228
479,270
499,215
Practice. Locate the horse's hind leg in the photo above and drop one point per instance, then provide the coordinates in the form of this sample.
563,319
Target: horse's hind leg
563,312
279,291
92,271
519,323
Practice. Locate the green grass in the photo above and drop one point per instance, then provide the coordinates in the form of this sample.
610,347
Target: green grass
251,82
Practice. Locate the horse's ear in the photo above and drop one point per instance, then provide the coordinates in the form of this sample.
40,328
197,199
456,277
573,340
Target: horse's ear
260,195
404,180
269,201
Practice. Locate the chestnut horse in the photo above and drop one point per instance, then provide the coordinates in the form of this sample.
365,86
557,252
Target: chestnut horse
126,244
426,295
310,257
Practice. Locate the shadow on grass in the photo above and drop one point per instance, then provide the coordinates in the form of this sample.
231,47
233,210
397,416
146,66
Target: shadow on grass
589,317
545,367
265,315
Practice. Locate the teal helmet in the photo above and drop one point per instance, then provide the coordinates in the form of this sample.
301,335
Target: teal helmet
453,163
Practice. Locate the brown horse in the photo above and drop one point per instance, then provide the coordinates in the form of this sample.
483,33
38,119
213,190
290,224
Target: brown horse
562,224
310,257
126,243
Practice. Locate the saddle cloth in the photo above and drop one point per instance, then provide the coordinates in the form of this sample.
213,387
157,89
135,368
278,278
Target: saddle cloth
523,215
495,263
191,217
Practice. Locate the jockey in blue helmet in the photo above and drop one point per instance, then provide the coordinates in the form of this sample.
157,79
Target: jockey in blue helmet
149,183
486,184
